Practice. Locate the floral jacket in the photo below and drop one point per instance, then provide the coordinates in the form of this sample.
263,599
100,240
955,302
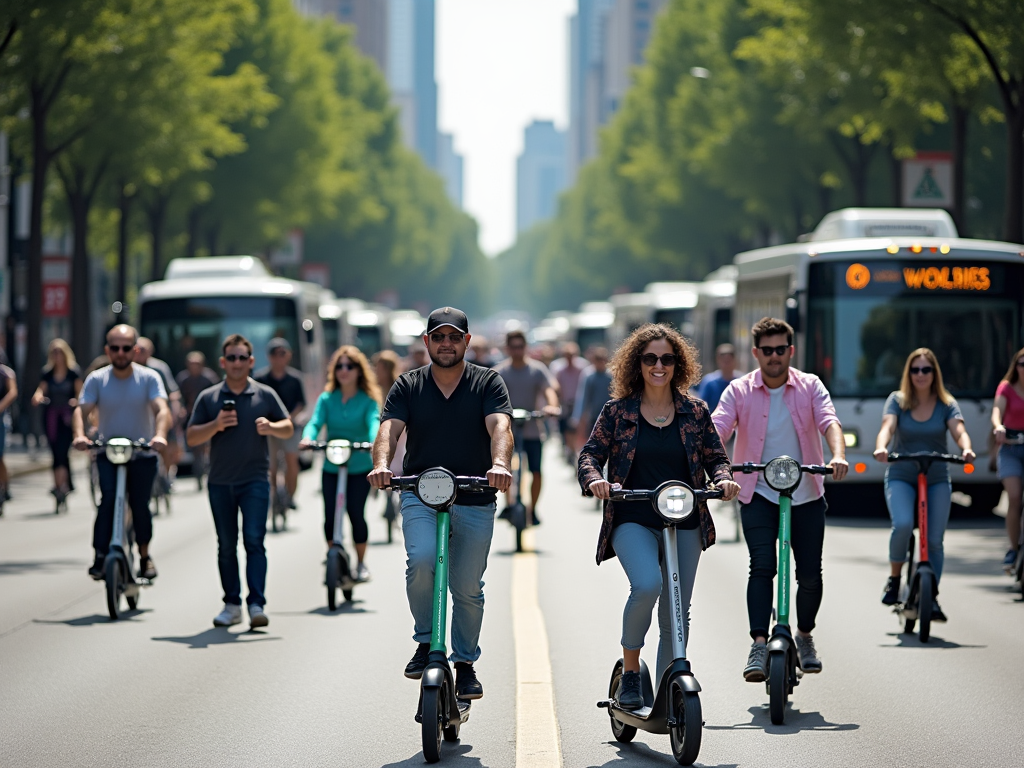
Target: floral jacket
614,440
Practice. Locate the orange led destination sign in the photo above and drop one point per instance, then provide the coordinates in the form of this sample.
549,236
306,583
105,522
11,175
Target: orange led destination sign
947,278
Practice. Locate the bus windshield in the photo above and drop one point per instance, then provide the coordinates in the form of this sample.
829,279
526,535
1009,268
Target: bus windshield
865,318
178,326
680,318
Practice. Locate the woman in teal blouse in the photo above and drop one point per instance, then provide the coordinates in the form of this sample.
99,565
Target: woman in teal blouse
349,408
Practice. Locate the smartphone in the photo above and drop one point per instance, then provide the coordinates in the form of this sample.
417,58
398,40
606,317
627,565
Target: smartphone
229,405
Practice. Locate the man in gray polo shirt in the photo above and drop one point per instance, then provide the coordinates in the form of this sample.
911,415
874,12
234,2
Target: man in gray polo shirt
236,417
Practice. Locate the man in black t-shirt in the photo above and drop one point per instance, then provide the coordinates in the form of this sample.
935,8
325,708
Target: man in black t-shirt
287,382
456,415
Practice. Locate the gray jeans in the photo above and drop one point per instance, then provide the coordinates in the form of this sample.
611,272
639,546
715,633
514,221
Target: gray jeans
639,550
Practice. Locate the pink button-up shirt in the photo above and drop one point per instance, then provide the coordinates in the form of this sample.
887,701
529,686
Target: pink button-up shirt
744,408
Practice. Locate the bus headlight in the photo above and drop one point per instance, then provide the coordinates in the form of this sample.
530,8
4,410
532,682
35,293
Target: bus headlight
851,438
338,452
782,474
674,502
119,450
436,487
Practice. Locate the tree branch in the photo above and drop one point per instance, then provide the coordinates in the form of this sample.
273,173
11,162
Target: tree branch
8,36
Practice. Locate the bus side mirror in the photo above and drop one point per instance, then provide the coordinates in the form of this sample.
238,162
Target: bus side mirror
793,313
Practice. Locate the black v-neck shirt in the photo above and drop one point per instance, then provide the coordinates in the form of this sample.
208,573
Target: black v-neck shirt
448,432
660,456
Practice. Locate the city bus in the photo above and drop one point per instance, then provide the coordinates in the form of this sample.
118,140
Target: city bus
590,325
671,303
712,317
865,289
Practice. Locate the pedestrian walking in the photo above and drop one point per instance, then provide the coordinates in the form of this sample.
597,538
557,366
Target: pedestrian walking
58,391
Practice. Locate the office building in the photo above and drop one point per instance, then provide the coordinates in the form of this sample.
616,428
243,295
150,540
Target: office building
540,173
369,17
449,166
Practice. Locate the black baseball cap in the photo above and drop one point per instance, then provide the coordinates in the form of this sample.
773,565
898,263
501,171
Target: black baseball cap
456,318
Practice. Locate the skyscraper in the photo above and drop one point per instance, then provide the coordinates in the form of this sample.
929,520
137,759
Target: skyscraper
449,166
410,73
540,173
369,17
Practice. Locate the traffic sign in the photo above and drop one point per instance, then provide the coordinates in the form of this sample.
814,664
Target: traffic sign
928,180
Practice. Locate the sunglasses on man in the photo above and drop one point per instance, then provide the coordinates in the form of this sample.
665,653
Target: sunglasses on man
454,338
238,358
115,348
769,351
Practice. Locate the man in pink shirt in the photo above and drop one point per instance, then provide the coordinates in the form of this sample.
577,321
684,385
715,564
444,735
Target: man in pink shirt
780,411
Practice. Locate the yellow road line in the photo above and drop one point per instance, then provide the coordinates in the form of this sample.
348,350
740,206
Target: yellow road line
537,742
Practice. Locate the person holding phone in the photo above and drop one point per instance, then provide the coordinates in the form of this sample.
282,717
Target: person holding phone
237,416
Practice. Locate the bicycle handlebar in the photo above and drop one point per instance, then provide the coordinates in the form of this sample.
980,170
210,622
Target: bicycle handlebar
811,469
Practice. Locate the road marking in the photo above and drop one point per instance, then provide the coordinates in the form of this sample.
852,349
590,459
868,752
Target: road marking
537,742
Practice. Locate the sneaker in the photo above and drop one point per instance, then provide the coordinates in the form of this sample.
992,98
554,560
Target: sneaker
418,662
466,684
232,614
757,664
809,661
891,594
937,614
1010,560
257,617
536,520
630,695
147,569
362,574
96,569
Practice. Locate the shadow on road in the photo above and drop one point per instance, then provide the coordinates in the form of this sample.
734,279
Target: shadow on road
638,753
906,640
796,721
349,608
96,618
455,754
218,636
16,567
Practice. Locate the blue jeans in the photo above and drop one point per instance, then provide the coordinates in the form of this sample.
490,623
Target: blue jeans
253,498
639,549
468,547
901,498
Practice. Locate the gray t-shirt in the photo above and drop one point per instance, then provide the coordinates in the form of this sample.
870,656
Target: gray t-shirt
526,387
912,436
238,454
781,439
124,405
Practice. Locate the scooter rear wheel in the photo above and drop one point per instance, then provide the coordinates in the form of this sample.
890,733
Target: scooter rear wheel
686,735
431,725
112,575
623,733
925,598
778,687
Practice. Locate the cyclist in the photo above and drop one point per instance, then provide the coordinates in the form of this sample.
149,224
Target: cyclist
458,416
287,382
652,432
780,411
349,408
1008,414
916,418
130,401
528,381
59,387
8,394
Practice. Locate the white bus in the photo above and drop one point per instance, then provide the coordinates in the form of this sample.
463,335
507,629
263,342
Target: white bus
712,317
671,303
202,301
869,286
589,327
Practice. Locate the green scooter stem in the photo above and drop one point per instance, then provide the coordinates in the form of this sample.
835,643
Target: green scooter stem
785,523
440,623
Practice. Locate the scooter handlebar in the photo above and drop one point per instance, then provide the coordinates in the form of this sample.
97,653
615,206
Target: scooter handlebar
140,445
463,482
321,445
917,455
811,469
624,494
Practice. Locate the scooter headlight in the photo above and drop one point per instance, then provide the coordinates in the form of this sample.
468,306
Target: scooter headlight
436,487
674,502
520,414
338,452
119,450
782,474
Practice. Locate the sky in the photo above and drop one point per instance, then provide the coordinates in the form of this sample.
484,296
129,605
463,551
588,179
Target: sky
500,65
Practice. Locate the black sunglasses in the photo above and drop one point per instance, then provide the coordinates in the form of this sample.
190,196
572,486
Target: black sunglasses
769,351
650,358
925,369
126,348
233,358
346,367
454,338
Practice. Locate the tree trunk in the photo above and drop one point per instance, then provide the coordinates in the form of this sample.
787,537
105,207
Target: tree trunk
81,301
1014,227
895,179
959,125
194,217
157,213
40,163
124,206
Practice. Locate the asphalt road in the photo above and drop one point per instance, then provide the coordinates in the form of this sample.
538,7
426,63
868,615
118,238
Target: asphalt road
165,688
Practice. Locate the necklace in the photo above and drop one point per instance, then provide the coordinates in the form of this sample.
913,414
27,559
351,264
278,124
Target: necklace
659,419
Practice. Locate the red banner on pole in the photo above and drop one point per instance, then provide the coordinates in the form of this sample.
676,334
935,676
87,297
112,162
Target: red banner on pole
56,286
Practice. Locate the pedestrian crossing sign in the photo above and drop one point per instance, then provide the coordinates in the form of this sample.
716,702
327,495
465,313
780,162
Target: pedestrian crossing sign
928,180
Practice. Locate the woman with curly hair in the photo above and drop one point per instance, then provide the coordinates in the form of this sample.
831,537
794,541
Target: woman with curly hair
652,431
349,408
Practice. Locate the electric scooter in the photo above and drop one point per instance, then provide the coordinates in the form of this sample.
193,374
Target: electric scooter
675,707
515,512
119,564
440,712
783,475
339,567
917,595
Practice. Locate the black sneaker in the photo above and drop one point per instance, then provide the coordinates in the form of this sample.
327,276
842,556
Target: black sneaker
891,594
147,569
937,614
808,654
536,520
466,684
757,664
418,662
630,695
96,569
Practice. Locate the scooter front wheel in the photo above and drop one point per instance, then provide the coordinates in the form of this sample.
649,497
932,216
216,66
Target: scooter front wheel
333,577
433,712
112,575
685,736
623,733
778,687
925,598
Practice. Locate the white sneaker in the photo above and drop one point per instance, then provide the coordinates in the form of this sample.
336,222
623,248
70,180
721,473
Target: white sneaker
257,618
362,573
232,614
